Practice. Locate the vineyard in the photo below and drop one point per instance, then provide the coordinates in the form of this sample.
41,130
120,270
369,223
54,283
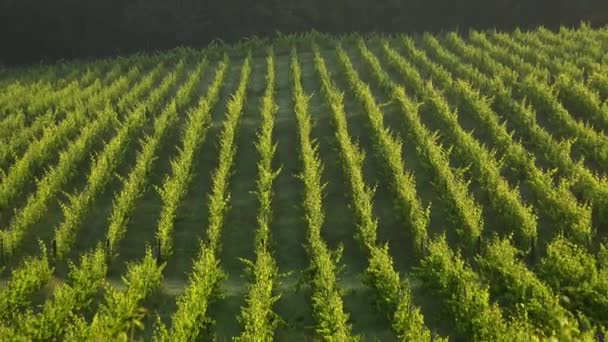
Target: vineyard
311,187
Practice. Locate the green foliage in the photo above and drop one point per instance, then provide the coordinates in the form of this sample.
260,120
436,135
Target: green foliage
25,280
465,213
175,186
538,97
258,319
579,99
464,297
58,176
37,154
68,300
516,287
578,277
134,186
219,198
393,296
542,96
106,164
561,205
571,217
389,147
16,141
599,82
116,319
351,155
505,200
102,171
50,185
589,142
191,316
328,308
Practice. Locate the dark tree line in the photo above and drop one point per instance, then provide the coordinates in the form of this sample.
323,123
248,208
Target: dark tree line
35,30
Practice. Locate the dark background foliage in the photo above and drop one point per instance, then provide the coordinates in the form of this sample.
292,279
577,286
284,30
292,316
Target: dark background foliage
37,30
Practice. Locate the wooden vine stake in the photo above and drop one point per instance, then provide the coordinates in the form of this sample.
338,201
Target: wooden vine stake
54,248
2,253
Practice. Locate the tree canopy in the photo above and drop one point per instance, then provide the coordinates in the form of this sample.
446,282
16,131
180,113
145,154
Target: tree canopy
33,30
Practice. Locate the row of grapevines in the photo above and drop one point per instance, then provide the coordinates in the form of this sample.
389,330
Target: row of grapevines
37,154
591,144
33,73
14,145
54,180
25,280
328,308
102,170
68,299
579,276
350,153
67,99
39,96
529,46
32,99
475,299
505,200
505,43
191,315
524,68
512,281
134,186
494,58
389,147
34,78
583,49
12,150
43,149
91,91
581,180
13,89
10,125
50,185
175,185
219,197
557,278
466,299
583,41
129,101
517,289
572,92
42,102
50,75
258,319
560,205
557,202
599,81
465,213
185,95
566,50
120,312
534,51
116,319
577,98
393,294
